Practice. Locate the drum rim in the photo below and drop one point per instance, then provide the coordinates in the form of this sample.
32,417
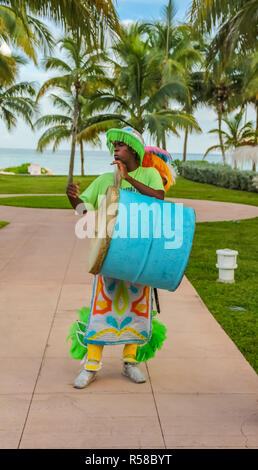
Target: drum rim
112,196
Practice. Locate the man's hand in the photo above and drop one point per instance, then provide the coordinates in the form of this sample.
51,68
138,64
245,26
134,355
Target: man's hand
121,167
72,189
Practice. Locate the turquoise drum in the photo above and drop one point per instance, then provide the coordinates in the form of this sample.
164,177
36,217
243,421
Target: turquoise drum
141,239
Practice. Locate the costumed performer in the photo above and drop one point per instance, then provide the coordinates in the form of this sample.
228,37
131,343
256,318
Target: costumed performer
120,312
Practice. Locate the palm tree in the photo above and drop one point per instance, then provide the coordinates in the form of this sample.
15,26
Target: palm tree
236,135
235,22
196,97
61,125
24,31
16,101
179,54
137,92
78,15
79,71
250,82
223,91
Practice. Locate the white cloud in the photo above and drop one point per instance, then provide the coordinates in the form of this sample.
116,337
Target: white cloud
127,22
5,49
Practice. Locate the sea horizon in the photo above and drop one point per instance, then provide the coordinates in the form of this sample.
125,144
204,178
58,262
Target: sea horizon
96,162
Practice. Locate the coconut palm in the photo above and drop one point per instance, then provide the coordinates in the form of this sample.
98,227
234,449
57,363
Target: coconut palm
176,44
236,135
196,98
61,125
16,101
9,65
79,71
137,92
223,90
235,22
250,82
20,29
8,61
79,15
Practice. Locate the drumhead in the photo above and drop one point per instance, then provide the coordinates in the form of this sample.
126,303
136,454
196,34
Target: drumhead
104,228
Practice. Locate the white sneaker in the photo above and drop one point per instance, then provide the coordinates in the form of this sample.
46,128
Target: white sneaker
84,378
132,371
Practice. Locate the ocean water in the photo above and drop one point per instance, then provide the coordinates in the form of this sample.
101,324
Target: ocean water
96,162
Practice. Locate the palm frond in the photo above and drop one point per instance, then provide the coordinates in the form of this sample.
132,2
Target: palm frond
51,119
64,82
54,134
92,131
174,89
42,33
8,117
213,147
77,15
21,88
55,63
61,103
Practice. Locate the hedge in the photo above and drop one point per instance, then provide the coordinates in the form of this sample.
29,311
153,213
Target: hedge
219,175
23,169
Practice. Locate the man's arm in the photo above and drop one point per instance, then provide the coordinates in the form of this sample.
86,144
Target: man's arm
72,192
143,189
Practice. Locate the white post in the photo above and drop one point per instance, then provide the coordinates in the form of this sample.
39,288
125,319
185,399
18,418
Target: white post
226,264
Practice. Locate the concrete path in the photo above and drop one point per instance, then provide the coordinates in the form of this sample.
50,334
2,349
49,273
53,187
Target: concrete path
205,210
200,392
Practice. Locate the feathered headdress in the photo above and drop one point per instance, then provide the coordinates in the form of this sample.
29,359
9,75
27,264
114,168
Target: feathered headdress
162,161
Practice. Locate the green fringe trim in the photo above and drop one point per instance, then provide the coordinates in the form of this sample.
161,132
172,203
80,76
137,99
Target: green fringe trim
128,139
158,336
76,334
144,352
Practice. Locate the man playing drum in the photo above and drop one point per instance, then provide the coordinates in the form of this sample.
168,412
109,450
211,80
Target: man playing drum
121,312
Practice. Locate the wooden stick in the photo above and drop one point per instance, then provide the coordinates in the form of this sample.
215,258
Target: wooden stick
156,299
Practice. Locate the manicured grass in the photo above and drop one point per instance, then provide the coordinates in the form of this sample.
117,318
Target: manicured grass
19,184
226,301
3,223
57,184
41,202
192,190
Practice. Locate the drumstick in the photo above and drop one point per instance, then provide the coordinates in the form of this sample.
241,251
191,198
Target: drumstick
156,299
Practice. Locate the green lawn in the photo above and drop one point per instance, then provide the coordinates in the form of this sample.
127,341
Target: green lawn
42,202
18,184
56,185
3,223
192,190
235,306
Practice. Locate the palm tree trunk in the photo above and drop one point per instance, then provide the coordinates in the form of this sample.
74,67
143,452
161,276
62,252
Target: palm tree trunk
82,158
185,144
220,135
74,132
256,105
164,144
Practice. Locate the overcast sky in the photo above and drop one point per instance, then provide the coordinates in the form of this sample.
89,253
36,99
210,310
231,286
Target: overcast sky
23,137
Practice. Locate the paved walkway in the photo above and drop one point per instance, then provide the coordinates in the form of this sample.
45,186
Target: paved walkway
205,210
200,393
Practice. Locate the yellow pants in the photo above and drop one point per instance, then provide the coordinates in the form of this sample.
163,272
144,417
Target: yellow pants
95,354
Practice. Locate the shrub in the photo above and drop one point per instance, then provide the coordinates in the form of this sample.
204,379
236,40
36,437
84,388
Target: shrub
219,175
177,164
23,169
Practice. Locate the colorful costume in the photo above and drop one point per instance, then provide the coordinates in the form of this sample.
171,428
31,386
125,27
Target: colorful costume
120,312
